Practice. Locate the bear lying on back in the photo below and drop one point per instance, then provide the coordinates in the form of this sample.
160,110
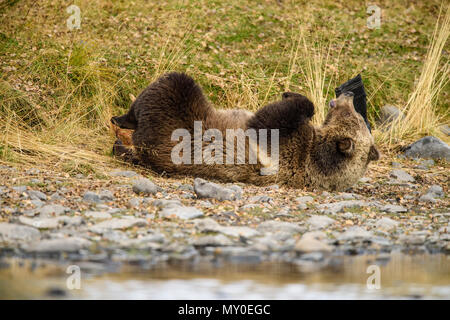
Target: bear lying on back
333,156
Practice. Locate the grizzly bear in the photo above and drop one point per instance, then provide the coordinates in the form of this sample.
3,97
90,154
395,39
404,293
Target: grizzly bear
333,156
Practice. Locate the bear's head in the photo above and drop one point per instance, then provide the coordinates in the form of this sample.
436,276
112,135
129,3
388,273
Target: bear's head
342,148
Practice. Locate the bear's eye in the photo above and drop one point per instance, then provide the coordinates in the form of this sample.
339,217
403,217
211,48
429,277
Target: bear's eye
346,145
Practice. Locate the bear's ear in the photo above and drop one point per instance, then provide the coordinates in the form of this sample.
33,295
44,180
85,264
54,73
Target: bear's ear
124,122
346,146
374,154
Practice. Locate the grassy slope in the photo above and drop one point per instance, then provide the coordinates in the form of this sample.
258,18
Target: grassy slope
58,88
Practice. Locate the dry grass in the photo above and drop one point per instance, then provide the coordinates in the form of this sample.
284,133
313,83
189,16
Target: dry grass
317,71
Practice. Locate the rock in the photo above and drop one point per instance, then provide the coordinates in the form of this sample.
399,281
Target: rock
117,223
283,236
114,236
207,225
127,174
260,199
106,195
10,233
238,191
335,207
355,233
185,187
205,189
144,186
428,147
393,208
284,212
273,226
365,180
56,196
70,221
98,215
312,242
445,129
268,243
412,239
345,196
40,223
210,225
347,215
90,196
20,189
238,231
161,203
73,244
205,204
215,241
134,202
388,114
427,198
52,210
104,207
386,224
37,203
188,196
401,175
241,255
143,241
249,206
180,212
319,222
36,195
229,215
311,257
304,199
436,190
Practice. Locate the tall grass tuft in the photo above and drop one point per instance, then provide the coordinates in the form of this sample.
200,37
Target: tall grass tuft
420,116
311,59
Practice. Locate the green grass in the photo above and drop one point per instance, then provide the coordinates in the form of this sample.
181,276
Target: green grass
58,88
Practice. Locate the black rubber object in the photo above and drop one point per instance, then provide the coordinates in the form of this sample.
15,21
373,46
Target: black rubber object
356,86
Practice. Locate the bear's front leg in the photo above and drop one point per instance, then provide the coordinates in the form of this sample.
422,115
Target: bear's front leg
124,153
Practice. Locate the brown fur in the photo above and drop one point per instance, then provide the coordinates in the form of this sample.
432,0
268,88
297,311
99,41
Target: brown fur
333,156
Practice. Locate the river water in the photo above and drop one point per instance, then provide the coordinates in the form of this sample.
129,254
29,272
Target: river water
402,276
